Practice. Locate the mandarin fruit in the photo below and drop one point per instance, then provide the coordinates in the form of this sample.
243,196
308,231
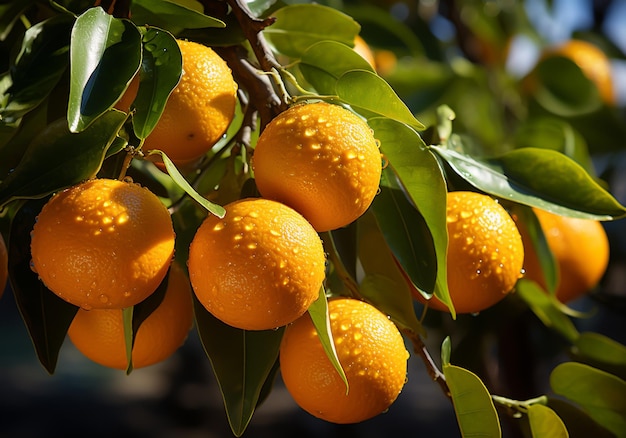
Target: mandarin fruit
103,244
320,159
371,352
581,250
200,108
258,268
99,333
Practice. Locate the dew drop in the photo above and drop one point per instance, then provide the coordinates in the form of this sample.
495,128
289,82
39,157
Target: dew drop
103,299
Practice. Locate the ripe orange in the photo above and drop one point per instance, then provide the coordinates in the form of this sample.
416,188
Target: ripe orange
363,49
99,333
4,268
129,95
592,61
258,268
485,253
320,159
581,250
371,352
200,108
103,244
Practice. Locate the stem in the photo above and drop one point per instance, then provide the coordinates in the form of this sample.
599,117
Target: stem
431,367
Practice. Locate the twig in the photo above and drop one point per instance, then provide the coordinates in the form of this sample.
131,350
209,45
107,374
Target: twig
431,367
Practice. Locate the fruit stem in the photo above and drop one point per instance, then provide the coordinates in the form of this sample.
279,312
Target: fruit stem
433,371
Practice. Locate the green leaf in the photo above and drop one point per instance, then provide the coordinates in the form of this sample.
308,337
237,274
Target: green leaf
578,422
134,316
564,89
318,311
555,134
180,180
527,219
384,285
475,412
544,422
47,317
420,177
129,337
38,66
599,393
325,62
161,69
242,362
10,13
547,308
170,15
602,352
299,26
446,351
406,233
367,90
105,53
539,178
57,158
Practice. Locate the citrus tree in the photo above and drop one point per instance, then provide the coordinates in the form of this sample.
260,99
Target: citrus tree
310,203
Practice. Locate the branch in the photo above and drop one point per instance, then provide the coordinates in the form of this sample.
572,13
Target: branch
433,371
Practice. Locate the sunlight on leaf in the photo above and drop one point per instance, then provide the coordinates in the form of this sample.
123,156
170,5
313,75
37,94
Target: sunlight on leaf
538,178
299,26
179,179
161,70
544,422
473,405
367,90
318,311
97,78
599,393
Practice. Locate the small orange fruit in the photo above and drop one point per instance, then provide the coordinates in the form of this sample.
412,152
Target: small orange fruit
363,49
371,352
592,61
320,159
4,265
258,268
99,333
103,244
485,253
200,108
581,250
129,95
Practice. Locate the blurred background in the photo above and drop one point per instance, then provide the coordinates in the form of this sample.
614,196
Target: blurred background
467,54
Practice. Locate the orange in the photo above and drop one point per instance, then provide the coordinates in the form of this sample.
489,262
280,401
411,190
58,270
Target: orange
99,333
363,49
371,352
320,159
200,108
592,61
4,265
258,268
581,250
485,253
103,244
129,95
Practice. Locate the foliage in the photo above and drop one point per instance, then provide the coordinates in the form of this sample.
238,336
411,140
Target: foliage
444,122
